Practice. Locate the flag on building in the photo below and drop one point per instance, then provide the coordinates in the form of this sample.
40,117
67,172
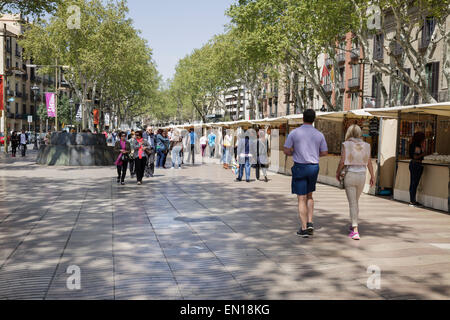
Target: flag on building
325,73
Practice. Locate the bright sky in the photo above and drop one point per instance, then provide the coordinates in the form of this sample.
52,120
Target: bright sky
174,28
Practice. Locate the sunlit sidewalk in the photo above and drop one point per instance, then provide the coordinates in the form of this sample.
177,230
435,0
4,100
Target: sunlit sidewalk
196,234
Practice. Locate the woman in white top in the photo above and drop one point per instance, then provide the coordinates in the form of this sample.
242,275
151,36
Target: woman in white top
355,158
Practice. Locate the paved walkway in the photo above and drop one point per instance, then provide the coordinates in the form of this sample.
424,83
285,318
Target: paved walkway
196,234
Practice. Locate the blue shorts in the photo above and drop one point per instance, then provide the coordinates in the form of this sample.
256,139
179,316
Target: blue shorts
304,178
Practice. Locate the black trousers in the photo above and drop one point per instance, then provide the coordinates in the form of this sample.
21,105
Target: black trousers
140,168
150,168
416,170
212,150
192,153
132,167
122,171
13,150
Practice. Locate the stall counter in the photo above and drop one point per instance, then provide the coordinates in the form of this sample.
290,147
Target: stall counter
433,190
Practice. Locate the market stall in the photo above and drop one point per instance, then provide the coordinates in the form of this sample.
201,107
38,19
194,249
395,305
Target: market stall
434,121
376,132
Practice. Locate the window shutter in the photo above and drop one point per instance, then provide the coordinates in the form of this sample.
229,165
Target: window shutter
435,80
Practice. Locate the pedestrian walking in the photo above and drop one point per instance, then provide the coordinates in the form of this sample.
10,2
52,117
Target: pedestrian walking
212,144
261,156
227,146
122,147
132,140
246,150
140,155
150,168
165,135
160,149
306,144
23,140
177,146
192,141
416,153
203,143
355,159
14,143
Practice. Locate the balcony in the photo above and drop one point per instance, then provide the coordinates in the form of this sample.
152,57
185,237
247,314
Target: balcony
10,93
19,94
17,54
355,53
329,62
341,85
340,58
353,83
327,88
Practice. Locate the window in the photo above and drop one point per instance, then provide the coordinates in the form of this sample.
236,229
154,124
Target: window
432,74
376,91
356,68
354,101
378,42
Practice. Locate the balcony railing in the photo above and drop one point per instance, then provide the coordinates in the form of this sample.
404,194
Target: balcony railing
18,94
355,53
10,93
327,88
18,55
340,58
341,85
353,83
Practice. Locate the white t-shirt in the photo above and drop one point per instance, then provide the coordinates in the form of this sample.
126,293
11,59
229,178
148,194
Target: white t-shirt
23,138
203,140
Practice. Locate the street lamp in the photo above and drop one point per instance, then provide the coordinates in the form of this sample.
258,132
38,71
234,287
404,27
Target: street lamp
35,90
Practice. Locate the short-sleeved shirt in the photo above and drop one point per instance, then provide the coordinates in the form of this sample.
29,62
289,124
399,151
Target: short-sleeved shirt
308,143
193,137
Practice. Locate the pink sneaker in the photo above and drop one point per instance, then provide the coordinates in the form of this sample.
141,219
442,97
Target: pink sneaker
354,235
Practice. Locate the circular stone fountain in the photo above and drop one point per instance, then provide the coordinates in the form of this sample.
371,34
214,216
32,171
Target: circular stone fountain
76,149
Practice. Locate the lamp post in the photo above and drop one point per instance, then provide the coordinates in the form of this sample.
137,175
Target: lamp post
71,115
35,90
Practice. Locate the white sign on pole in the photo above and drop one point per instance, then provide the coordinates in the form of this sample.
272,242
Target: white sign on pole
79,114
30,119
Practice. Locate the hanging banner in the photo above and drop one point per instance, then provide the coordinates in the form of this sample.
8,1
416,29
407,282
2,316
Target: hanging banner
107,117
1,93
96,116
50,100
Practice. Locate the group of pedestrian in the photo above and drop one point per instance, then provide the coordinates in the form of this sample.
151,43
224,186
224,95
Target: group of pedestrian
307,144
19,141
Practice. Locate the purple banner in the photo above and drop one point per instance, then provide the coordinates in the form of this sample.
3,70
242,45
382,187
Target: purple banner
50,99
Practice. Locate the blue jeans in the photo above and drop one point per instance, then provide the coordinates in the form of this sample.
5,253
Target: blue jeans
176,159
247,169
160,160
